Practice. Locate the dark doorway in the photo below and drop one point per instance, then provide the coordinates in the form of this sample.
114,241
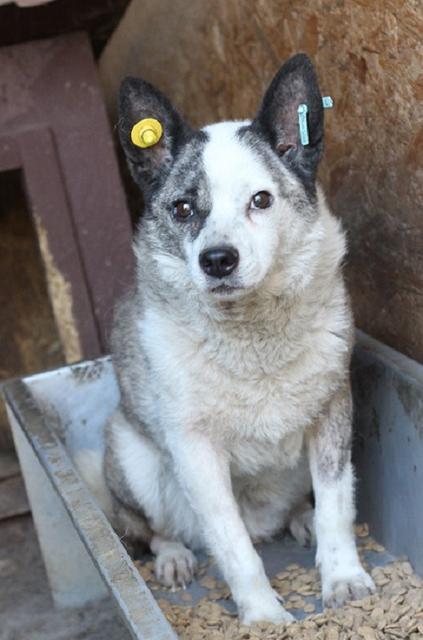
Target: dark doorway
29,340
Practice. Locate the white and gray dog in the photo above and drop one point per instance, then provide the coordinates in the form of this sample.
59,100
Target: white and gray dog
233,351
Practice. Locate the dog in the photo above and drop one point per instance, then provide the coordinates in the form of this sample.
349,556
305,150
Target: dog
232,351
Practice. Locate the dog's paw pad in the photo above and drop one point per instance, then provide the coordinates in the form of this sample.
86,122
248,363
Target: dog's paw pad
343,590
175,566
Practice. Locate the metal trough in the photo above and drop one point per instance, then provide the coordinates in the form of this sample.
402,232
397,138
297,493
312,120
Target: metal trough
85,560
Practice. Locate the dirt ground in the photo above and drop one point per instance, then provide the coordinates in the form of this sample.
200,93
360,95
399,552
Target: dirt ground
26,608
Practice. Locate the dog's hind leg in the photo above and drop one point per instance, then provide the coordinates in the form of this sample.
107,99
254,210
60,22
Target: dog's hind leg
132,528
149,506
301,524
174,565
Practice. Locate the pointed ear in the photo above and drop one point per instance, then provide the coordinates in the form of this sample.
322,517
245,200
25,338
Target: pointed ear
138,100
295,83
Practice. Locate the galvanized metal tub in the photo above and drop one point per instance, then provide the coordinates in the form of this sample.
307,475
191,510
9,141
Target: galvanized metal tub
53,414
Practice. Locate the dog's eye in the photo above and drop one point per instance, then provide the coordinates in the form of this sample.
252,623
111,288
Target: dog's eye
261,200
182,210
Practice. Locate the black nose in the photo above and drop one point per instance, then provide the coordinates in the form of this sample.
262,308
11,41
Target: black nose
219,262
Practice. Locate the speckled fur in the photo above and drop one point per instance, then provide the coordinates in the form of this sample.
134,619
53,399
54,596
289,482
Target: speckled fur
234,405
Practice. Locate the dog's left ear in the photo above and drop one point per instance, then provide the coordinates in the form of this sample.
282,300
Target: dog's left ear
295,83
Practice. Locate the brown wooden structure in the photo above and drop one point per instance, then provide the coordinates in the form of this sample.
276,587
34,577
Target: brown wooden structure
53,127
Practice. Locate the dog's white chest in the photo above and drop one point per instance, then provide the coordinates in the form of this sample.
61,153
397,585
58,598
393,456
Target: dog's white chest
251,456
238,397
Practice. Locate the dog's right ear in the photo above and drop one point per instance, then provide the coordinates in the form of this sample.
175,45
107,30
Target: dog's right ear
139,100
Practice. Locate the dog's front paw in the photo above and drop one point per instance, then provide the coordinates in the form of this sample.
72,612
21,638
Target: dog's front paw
175,565
338,590
265,609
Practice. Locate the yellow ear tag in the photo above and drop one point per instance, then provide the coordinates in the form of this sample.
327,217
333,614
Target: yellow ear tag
146,133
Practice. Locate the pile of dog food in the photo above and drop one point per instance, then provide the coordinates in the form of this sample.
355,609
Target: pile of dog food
395,612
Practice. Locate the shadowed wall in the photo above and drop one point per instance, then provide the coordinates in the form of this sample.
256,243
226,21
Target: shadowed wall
214,59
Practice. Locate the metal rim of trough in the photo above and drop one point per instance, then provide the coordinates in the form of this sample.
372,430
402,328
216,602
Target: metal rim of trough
135,602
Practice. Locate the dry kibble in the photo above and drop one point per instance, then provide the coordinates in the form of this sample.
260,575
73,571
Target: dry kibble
415,581
332,633
284,590
406,568
208,582
367,633
362,530
367,604
377,613
395,612
307,591
283,575
309,624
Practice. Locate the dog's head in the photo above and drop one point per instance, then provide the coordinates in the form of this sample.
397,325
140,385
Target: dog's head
232,207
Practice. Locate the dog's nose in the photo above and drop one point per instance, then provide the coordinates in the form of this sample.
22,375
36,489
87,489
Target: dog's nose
219,262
